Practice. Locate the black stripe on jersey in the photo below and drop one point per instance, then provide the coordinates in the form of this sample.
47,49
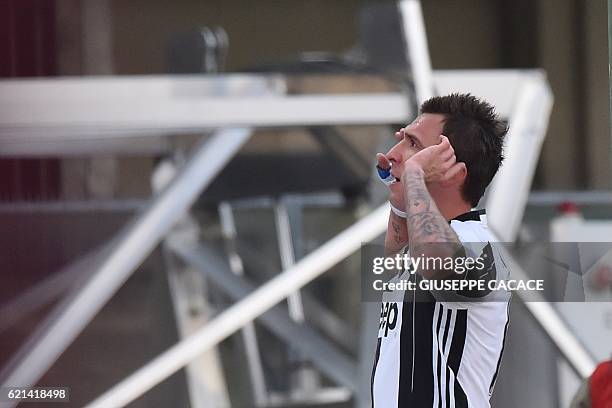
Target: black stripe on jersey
417,391
446,328
485,274
376,357
501,353
405,395
455,354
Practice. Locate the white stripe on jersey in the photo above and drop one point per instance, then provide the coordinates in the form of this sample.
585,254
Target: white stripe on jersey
446,351
435,353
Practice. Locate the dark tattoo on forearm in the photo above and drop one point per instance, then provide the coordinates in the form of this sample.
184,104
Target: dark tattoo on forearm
397,232
425,222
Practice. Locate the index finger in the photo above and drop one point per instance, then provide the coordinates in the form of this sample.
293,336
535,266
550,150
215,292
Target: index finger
443,144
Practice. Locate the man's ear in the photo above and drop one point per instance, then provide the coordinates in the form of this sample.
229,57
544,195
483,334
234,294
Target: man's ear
457,176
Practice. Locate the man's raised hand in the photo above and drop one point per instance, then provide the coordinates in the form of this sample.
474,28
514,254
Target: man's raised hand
438,162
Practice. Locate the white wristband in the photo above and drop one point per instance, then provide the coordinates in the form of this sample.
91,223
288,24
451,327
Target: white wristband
398,212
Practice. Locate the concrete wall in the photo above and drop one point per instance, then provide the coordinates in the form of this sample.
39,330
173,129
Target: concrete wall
259,31
565,37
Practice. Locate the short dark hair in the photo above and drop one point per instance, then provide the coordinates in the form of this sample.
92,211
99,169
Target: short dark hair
477,135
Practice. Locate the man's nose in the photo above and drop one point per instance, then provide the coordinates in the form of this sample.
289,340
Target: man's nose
394,155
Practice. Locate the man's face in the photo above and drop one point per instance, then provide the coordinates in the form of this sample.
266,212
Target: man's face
423,132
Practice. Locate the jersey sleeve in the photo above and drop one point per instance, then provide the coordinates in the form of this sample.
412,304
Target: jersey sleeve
480,246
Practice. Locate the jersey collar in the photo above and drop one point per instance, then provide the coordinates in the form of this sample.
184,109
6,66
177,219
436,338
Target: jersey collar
473,215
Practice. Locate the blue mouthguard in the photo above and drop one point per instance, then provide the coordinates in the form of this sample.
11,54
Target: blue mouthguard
385,175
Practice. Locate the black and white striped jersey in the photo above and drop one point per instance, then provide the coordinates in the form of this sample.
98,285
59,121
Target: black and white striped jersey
443,350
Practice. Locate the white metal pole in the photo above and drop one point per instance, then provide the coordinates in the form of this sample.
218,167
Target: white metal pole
246,310
413,26
287,257
509,190
249,335
71,317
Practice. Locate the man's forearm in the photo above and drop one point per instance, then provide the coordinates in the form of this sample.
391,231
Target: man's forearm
425,224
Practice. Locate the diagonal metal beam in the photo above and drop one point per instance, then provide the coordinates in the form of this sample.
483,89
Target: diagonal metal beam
328,358
319,315
140,237
50,288
249,336
552,324
331,140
